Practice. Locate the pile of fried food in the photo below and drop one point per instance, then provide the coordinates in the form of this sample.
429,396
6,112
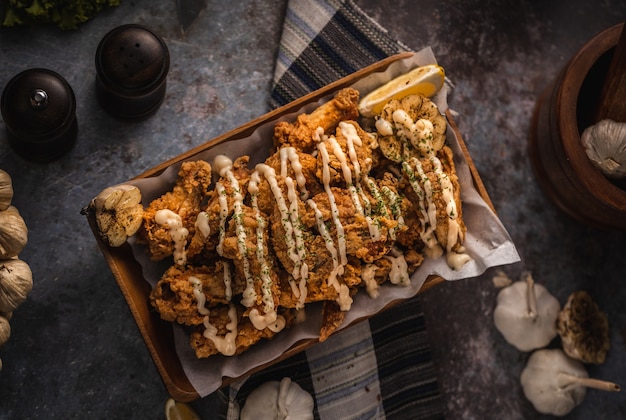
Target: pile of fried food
336,208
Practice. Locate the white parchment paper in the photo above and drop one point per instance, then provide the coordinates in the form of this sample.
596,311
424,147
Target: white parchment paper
487,242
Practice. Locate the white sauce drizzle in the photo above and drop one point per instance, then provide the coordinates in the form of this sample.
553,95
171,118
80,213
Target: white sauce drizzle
384,127
224,167
290,154
178,232
196,283
266,280
419,133
296,249
399,273
344,300
456,260
341,237
271,320
228,281
396,211
328,241
368,275
224,344
202,224
351,136
223,202
426,206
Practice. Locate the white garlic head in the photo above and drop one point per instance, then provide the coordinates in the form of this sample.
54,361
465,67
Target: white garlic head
605,146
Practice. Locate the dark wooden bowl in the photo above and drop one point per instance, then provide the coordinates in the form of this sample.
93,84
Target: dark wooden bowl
559,161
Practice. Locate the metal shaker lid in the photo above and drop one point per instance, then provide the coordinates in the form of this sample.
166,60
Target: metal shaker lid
39,112
132,62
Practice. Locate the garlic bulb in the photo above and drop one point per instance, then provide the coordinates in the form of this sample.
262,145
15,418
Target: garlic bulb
605,146
119,213
526,314
6,190
278,401
5,330
555,384
13,233
584,329
16,282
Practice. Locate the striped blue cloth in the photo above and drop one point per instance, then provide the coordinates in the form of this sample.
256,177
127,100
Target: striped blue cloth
381,368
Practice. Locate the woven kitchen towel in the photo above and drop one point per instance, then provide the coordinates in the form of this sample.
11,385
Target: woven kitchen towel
322,41
381,368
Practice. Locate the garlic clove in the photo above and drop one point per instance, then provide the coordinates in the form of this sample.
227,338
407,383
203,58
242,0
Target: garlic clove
525,314
6,190
605,146
16,283
118,212
555,383
584,329
275,400
13,233
5,330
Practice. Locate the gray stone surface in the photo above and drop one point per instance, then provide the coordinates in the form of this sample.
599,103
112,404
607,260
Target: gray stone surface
75,351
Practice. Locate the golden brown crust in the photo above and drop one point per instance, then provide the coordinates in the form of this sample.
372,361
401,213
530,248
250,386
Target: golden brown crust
185,199
358,218
299,134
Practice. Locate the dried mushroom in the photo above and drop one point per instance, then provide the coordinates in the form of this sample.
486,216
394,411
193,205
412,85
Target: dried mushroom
555,384
584,329
278,401
605,146
13,233
526,314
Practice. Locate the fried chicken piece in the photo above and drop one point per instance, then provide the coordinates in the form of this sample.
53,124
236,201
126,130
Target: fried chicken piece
184,200
174,299
300,134
434,190
203,246
359,241
230,337
332,318
349,154
284,162
256,269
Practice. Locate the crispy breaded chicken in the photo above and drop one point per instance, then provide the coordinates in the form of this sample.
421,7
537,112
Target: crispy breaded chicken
174,297
300,134
220,337
185,201
218,210
432,187
328,214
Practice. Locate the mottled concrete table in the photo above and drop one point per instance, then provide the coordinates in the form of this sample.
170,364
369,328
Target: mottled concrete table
75,351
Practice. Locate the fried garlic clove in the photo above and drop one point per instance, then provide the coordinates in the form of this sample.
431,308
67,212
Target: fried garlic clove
584,329
118,212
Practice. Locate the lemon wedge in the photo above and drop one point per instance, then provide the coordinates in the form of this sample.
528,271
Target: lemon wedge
424,80
175,410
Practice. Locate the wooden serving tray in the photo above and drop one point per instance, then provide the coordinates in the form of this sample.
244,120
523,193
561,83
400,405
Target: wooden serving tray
157,333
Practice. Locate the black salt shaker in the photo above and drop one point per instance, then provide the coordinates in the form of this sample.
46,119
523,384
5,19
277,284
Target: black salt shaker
132,63
39,112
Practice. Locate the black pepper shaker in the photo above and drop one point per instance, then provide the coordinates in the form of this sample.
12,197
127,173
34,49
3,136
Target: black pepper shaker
39,112
132,63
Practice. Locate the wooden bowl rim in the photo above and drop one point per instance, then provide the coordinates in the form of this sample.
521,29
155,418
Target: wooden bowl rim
566,105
